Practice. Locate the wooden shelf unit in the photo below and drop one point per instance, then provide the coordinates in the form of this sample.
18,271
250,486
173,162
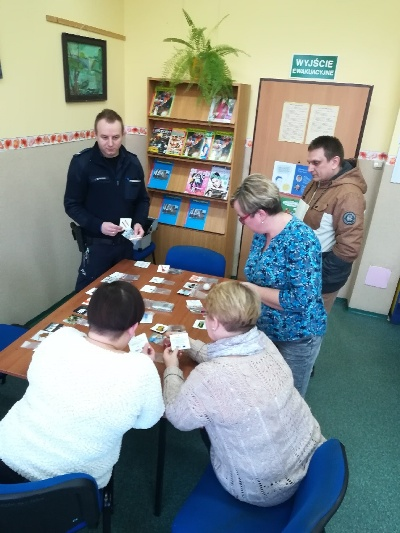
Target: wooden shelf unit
189,111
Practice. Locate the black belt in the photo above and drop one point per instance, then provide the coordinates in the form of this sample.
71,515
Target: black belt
114,241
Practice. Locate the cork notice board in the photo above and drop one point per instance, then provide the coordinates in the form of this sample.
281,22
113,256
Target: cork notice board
350,103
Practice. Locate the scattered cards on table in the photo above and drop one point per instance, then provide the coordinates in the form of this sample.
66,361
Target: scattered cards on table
179,341
91,291
163,268
120,276
195,306
142,264
185,292
159,328
82,310
189,285
200,324
158,306
73,320
147,317
161,280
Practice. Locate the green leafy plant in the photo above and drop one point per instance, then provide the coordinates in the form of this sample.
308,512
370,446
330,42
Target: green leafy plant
201,63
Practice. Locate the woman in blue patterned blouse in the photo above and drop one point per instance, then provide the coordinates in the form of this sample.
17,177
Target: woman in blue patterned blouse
284,268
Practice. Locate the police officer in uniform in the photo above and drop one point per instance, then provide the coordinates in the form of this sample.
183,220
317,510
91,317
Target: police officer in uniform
104,184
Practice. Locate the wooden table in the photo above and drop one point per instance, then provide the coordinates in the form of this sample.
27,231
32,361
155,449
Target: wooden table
15,360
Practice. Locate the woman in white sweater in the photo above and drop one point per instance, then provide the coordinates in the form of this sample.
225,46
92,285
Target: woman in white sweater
85,392
262,432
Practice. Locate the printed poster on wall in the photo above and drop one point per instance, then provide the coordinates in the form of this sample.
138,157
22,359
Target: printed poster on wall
290,178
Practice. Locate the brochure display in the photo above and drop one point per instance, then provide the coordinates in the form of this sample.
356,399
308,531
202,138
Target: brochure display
195,155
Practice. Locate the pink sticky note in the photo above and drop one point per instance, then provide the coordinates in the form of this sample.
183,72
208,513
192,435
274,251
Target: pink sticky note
378,277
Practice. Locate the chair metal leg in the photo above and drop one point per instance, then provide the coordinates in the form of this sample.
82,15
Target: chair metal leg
162,438
108,504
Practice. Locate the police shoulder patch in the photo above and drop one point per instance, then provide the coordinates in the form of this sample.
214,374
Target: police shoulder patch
349,218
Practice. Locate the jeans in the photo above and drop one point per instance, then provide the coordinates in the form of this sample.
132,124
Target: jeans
300,355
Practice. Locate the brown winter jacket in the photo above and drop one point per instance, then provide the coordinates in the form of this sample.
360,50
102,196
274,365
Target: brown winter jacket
336,214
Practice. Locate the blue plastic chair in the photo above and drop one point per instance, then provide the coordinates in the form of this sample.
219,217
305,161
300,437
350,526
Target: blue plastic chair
62,504
196,259
210,509
143,253
9,334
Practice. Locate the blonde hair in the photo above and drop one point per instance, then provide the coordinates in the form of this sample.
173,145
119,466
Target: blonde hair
257,192
235,305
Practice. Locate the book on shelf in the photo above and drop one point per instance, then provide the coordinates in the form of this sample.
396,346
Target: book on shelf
221,147
197,214
169,210
218,184
176,142
207,142
162,101
221,109
160,175
194,143
197,181
159,139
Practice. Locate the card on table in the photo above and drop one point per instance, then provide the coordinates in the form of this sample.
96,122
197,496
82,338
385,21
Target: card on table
91,291
200,324
142,264
195,278
163,268
82,310
74,319
159,328
189,285
147,317
179,341
184,292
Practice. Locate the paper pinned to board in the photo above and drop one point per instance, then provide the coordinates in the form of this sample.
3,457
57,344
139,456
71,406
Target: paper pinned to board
378,277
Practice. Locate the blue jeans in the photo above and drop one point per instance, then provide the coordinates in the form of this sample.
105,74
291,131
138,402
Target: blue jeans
300,355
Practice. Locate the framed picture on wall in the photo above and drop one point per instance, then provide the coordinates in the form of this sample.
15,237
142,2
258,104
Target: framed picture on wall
85,68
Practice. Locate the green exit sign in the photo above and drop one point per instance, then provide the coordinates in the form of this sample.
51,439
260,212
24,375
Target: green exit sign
314,67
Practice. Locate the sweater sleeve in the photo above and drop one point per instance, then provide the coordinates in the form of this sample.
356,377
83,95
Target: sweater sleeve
183,405
153,405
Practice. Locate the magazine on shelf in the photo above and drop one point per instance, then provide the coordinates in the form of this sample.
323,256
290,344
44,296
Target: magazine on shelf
176,142
197,214
218,184
159,139
169,210
197,181
160,175
221,147
205,149
194,143
162,102
221,109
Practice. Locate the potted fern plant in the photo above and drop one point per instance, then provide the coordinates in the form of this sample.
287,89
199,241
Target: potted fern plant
201,63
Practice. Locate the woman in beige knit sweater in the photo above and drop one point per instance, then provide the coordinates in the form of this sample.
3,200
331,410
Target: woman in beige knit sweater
262,432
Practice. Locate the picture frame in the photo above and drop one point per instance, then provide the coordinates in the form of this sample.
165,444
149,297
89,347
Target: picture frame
85,68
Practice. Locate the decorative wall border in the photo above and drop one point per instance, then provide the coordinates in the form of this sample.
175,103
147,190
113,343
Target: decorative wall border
47,139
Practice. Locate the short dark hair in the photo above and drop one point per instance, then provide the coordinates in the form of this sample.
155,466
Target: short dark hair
109,116
331,145
114,308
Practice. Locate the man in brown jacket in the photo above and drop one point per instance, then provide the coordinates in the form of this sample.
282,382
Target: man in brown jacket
333,206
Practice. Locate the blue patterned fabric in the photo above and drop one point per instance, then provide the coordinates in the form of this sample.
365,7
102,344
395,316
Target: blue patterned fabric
292,264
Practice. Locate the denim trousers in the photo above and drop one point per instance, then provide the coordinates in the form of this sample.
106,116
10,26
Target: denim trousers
300,355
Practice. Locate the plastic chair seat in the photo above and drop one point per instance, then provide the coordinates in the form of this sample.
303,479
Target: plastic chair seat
210,509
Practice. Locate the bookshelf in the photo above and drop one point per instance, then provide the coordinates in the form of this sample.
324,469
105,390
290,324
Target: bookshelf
188,111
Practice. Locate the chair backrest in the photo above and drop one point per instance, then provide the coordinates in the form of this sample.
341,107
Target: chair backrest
57,505
322,490
196,259
9,334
